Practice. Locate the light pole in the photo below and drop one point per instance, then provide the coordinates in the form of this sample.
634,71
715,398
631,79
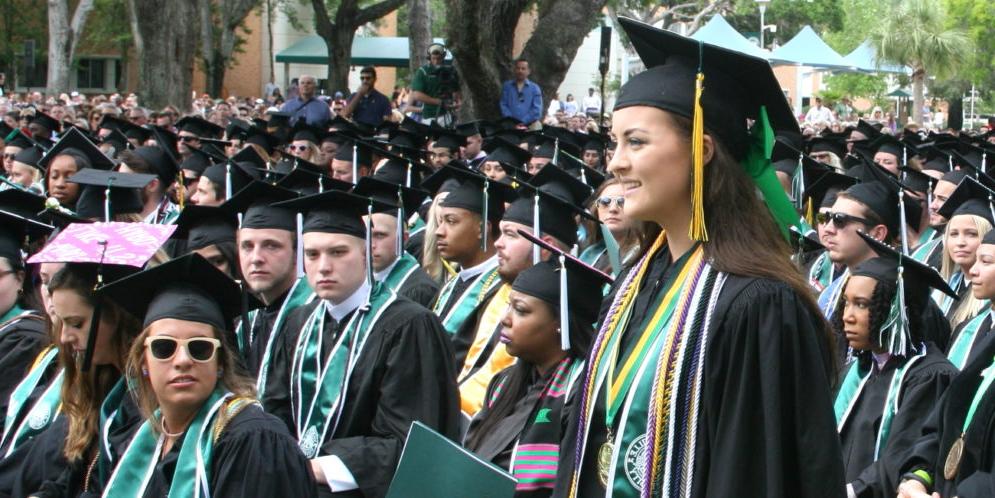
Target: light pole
762,4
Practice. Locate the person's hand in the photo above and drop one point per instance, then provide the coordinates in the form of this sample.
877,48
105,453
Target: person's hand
364,88
914,489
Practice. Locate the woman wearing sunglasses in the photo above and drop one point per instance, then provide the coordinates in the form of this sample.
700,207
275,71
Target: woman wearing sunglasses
711,354
204,434
609,206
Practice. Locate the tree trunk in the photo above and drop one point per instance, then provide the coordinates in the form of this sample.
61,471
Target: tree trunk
63,36
563,24
165,50
339,57
338,34
218,37
918,82
419,34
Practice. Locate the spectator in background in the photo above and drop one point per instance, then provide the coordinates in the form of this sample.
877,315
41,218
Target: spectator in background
555,106
843,109
570,106
3,84
367,105
521,98
592,104
819,113
306,106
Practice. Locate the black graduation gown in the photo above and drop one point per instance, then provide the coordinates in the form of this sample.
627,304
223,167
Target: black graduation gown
766,425
497,447
420,288
404,373
51,371
979,337
262,328
254,457
924,385
415,245
21,341
976,474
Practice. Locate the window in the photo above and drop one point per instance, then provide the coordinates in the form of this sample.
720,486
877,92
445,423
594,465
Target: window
90,73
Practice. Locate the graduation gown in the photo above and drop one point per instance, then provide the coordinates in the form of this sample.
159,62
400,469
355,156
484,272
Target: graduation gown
262,322
923,385
975,477
980,330
22,338
404,373
766,425
254,456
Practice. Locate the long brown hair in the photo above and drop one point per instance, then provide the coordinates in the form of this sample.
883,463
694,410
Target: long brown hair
83,393
232,376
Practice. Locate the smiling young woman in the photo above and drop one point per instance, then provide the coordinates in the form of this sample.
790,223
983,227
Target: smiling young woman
712,332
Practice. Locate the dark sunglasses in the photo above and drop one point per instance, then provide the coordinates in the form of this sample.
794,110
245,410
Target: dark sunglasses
187,139
840,220
9,156
606,200
297,147
200,349
364,78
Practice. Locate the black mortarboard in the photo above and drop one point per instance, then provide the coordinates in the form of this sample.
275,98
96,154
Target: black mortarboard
357,152
17,138
867,129
249,155
470,129
448,139
21,202
555,138
823,192
255,203
507,154
241,174
5,130
388,193
198,161
162,163
917,181
30,156
787,145
891,145
262,138
470,191
117,140
81,148
307,181
737,86
167,140
509,123
802,243
186,288
823,144
882,199
414,127
278,120
595,141
236,127
203,226
970,197
401,171
199,126
125,195
560,200
568,285
307,133
127,128
583,172
405,138
334,211
50,123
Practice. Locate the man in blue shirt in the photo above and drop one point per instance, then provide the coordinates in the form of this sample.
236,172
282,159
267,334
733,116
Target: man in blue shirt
521,98
367,105
314,111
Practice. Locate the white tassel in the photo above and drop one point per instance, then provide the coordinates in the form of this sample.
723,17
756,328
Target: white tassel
535,228
483,222
300,245
564,308
355,164
228,181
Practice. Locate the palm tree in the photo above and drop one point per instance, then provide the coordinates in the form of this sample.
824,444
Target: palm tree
914,34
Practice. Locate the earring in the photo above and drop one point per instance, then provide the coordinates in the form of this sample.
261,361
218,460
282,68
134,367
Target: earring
145,372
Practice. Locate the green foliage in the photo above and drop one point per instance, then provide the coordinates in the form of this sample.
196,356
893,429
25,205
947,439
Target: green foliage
21,20
860,17
107,27
853,85
977,19
914,33
790,16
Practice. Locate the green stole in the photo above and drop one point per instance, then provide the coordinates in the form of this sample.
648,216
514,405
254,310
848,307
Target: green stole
926,236
944,301
960,350
466,302
821,273
191,477
12,313
593,253
317,389
110,417
298,295
921,253
403,268
853,384
42,413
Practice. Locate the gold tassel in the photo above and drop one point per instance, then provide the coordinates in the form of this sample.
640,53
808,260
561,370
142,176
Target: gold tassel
809,214
698,230
181,189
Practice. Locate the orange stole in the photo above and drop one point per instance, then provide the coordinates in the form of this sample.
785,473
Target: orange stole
473,390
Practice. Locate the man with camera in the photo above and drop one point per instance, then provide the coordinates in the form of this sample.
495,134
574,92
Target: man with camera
436,87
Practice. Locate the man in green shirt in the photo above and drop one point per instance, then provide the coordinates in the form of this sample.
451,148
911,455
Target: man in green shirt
433,84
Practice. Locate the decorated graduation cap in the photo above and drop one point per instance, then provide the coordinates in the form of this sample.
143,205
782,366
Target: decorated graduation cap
48,122
255,203
473,192
83,151
549,203
186,288
913,280
114,250
720,90
203,226
109,193
970,197
199,126
568,285
586,174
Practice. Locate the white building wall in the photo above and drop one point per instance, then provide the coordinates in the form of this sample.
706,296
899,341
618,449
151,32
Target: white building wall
583,72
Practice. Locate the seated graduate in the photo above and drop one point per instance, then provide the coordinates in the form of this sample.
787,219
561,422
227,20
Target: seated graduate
967,339
356,367
896,377
549,330
210,232
204,433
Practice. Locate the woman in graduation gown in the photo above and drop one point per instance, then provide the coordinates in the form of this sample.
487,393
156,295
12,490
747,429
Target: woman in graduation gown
524,419
896,378
967,338
608,204
204,434
712,332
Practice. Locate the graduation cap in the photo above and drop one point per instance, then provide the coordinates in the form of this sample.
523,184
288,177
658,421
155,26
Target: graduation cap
548,204
553,139
803,243
232,176
21,202
249,155
471,128
357,152
579,169
86,154
868,130
822,192
15,231
918,181
167,140
5,130
236,127
596,142
448,139
198,161
255,203
277,120
162,163
109,193
186,288
400,200
405,138
307,133
824,144
215,149
509,123
117,140
48,122
473,192
568,285
401,171
806,173
307,181
413,126
199,127
913,281
507,154
203,226
340,124
17,138
31,156
127,128
891,145
970,197
869,171
261,138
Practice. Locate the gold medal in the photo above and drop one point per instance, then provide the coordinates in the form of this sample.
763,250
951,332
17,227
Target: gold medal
953,459
605,462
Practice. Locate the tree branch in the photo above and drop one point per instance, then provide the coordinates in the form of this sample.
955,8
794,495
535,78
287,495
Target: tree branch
323,24
376,11
76,25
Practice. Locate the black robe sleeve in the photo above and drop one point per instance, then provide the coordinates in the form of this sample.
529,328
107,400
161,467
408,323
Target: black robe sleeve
20,345
39,465
276,398
923,388
420,288
767,426
407,375
256,456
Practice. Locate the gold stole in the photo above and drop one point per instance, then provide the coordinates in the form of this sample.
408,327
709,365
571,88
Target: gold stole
473,390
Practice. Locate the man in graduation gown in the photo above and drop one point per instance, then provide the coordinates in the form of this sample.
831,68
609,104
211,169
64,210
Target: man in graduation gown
479,353
158,209
357,366
465,235
267,256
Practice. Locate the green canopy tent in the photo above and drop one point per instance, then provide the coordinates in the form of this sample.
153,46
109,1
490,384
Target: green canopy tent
383,51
